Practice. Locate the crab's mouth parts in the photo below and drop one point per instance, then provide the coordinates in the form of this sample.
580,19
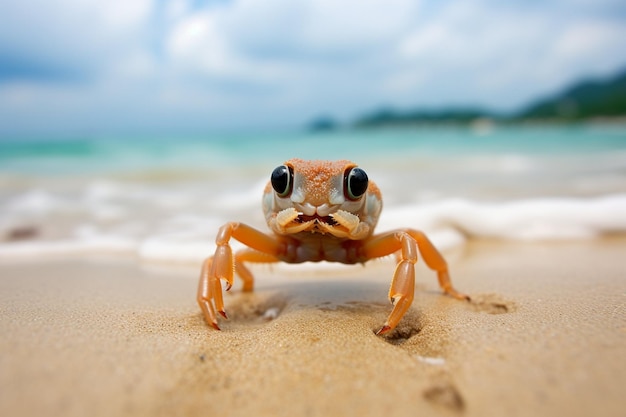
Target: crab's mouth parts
302,218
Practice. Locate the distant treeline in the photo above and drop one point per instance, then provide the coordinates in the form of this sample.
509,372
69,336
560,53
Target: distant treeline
584,100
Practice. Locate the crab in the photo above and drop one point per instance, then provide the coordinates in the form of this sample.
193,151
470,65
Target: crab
319,211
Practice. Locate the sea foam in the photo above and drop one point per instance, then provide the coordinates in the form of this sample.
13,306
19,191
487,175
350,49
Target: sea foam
528,219
450,223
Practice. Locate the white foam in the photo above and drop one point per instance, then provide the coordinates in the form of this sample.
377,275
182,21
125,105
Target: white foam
159,250
532,219
168,235
103,245
36,201
100,190
239,198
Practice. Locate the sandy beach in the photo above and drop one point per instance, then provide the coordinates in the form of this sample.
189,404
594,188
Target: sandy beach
136,136
545,335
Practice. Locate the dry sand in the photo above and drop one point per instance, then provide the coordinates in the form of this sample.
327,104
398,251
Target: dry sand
545,336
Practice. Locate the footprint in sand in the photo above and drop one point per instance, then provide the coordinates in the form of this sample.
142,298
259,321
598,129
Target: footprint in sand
408,328
411,324
255,308
492,304
443,393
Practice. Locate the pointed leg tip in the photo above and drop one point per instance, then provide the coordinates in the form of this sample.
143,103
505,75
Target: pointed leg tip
462,297
458,295
383,330
215,326
223,314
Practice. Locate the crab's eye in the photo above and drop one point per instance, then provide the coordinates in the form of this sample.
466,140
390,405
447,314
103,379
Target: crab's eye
282,180
355,183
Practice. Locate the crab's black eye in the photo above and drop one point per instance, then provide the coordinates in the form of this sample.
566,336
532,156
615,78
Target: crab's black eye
355,183
282,180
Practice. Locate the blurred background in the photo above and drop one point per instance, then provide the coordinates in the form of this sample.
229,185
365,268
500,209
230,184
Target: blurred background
79,67
140,126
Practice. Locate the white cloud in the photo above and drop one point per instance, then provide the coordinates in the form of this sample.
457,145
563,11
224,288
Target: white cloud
503,56
71,38
196,42
283,61
116,16
267,39
318,28
587,39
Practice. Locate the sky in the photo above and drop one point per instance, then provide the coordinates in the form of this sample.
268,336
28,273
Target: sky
76,67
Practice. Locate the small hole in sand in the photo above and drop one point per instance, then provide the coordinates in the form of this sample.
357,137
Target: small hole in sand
401,334
255,307
445,395
492,304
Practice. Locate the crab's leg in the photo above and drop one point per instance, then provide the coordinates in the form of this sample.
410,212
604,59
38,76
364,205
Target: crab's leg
250,255
436,262
206,293
222,265
407,241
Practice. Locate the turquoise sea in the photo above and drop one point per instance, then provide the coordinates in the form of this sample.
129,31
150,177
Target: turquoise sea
163,198
115,154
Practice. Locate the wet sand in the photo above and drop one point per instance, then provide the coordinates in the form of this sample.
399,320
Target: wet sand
545,335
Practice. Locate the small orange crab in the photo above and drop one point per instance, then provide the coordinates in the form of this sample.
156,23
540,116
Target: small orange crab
320,211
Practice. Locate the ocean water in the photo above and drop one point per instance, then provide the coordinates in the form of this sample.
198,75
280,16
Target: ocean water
162,199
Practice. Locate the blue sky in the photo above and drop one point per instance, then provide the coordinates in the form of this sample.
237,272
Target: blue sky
190,66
